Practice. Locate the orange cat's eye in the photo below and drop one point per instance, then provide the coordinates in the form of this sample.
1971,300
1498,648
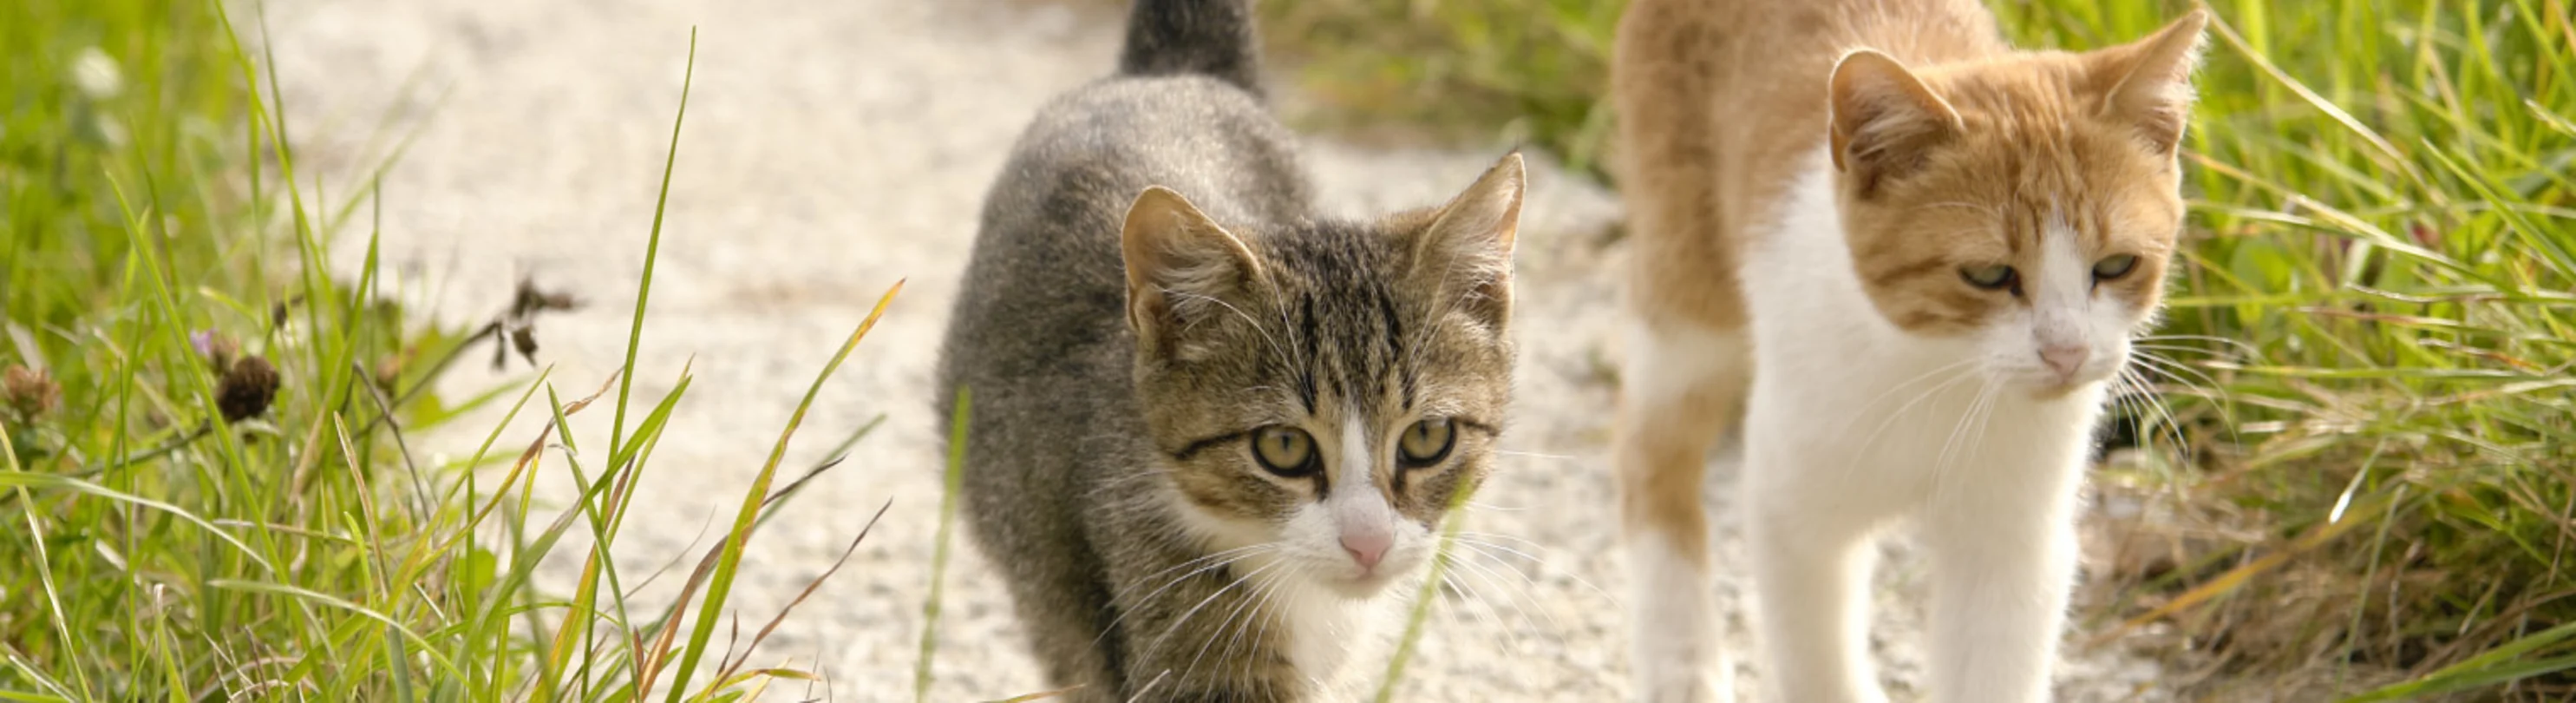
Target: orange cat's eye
2114,267
1995,277
1286,451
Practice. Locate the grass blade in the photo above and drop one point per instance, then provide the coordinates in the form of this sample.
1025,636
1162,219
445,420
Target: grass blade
720,582
952,481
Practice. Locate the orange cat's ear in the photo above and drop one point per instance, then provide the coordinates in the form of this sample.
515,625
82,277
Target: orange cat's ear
1885,120
1179,263
2147,83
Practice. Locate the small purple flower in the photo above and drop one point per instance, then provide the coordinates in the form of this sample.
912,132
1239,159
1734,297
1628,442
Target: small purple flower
217,348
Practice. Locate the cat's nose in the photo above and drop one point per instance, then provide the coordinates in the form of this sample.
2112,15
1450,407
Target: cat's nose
2064,358
1366,546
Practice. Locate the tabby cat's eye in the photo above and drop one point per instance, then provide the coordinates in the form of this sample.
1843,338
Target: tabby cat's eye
1426,442
1995,277
2114,267
1286,451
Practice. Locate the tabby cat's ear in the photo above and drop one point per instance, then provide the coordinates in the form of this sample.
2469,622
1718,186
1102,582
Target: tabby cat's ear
2146,84
1179,263
1885,121
1467,249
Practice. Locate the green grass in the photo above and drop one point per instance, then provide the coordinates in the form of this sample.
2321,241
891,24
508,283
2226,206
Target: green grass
2371,356
181,526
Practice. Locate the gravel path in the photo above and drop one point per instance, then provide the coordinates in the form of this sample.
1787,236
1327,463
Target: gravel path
833,148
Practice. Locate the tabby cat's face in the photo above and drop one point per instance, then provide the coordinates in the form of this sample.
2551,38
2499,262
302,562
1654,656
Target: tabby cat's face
1322,397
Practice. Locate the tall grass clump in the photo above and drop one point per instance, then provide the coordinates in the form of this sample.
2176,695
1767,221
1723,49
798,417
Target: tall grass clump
1523,70
2363,416
207,469
2372,345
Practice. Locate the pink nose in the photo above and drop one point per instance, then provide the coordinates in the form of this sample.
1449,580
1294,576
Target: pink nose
1366,547
2064,358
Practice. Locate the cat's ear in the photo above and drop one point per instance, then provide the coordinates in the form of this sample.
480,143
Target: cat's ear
1179,263
1885,120
2146,84
1467,249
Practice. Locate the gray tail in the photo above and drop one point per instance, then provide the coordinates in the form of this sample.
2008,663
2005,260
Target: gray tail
1208,37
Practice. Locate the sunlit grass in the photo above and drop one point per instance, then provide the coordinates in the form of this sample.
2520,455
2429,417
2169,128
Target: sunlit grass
205,458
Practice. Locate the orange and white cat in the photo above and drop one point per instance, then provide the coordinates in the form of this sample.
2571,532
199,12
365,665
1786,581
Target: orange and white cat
1904,260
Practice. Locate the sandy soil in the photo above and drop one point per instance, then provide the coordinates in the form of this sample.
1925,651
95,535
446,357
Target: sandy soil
833,148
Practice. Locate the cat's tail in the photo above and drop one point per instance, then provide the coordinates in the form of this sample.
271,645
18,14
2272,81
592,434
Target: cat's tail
1208,37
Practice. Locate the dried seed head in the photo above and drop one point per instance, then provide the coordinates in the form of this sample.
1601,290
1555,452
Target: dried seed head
246,389
530,300
30,392
525,340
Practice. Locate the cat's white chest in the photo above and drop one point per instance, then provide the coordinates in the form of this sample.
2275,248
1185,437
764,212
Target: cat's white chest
1338,643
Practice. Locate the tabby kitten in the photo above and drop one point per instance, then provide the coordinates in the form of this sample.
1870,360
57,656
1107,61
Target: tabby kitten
1210,429
1934,249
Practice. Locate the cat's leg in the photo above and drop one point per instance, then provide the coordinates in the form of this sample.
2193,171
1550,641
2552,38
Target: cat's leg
1687,368
1812,557
1683,388
2003,557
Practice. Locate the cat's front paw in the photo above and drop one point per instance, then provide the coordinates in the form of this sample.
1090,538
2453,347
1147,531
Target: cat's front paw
1680,683
1679,661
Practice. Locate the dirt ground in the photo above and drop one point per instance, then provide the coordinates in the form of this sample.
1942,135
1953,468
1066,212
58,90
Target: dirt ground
831,149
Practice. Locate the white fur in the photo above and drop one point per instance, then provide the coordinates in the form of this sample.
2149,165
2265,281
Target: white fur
1661,362
1675,651
1853,424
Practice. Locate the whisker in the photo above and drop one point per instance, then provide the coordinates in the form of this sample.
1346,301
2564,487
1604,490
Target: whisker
1255,596
2237,343
2185,348
1184,619
1238,554
1518,644
2135,403
2173,426
1481,505
1863,410
2180,372
1149,686
1482,603
1456,580
1941,463
1238,312
1222,554
1476,539
1560,457
1497,535
1527,590
2213,390
1867,443
1274,618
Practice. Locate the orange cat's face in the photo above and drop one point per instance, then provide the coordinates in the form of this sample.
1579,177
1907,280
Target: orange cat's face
2024,207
